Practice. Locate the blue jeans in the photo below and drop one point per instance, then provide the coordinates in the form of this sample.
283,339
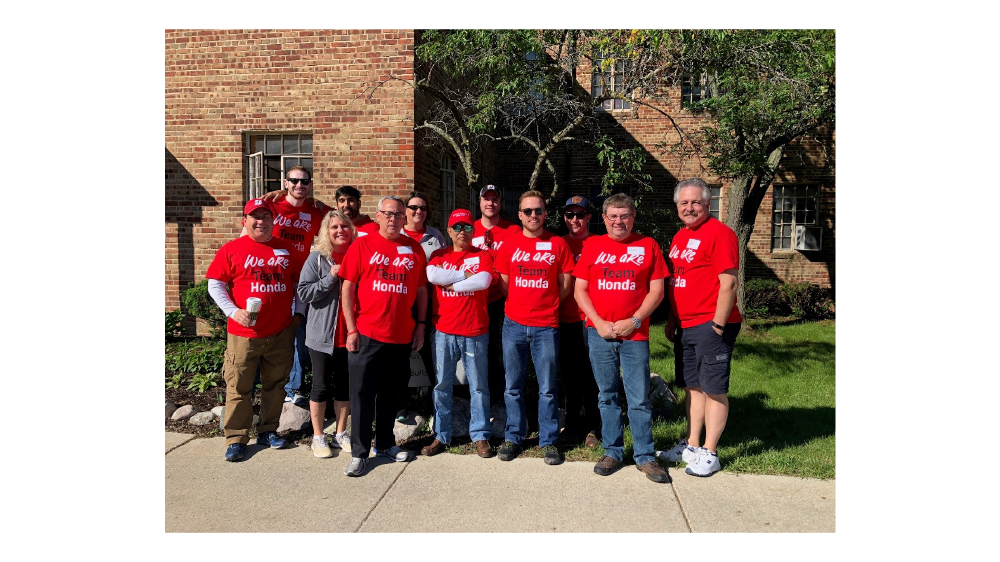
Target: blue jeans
300,360
448,349
542,345
633,358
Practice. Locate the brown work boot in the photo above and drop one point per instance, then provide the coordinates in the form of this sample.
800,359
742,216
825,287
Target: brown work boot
591,441
483,449
654,472
606,466
433,449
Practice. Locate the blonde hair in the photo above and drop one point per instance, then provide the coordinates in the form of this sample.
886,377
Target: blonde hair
323,244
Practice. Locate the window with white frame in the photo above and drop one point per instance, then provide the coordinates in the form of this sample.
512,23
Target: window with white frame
270,154
794,205
609,77
714,207
447,185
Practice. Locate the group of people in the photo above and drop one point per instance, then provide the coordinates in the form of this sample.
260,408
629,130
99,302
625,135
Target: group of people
495,297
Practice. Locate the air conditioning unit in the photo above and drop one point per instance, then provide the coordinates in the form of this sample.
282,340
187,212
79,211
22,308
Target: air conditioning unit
808,238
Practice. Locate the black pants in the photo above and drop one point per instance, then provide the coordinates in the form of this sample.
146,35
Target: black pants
330,378
496,376
576,381
374,382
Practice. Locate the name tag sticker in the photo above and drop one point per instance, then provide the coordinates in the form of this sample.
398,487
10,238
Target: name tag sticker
478,241
543,246
280,252
305,217
693,244
404,249
471,261
636,250
360,234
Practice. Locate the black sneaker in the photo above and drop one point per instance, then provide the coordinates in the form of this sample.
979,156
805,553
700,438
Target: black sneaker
552,455
509,451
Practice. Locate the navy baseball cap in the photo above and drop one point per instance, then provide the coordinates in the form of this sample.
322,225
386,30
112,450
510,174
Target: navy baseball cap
579,201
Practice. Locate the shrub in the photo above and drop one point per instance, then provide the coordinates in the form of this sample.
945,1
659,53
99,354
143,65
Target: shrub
196,356
763,298
203,381
808,301
173,324
199,303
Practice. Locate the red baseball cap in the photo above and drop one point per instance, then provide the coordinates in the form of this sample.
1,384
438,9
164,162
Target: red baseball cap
459,216
254,204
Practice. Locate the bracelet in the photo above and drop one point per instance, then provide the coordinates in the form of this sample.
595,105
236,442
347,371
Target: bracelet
352,332
421,321
714,325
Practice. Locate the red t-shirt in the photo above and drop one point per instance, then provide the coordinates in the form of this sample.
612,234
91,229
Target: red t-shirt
697,257
340,336
266,270
461,313
296,225
618,276
415,234
569,311
491,240
365,226
533,266
388,274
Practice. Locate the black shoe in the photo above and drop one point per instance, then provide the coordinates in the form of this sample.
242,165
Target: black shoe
509,451
552,455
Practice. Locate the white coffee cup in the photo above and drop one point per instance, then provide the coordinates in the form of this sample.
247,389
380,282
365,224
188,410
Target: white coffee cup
253,307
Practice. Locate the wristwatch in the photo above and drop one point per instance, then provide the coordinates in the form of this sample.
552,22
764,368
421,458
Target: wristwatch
714,325
636,323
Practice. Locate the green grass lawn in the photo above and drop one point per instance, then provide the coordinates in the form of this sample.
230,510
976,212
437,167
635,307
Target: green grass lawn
782,401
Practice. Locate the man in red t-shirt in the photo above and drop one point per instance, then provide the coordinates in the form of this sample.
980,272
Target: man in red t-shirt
576,378
534,267
619,283
488,233
349,203
704,322
261,266
461,275
383,275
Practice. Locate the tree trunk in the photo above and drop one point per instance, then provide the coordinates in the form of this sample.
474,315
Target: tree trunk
744,200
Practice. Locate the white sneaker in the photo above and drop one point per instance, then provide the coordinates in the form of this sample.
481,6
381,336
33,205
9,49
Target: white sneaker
396,454
320,449
342,441
357,466
680,452
706,464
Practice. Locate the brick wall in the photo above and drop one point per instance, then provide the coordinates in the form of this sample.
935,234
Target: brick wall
220,84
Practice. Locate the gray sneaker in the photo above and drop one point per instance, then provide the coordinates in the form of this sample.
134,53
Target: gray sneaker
396,454
357,466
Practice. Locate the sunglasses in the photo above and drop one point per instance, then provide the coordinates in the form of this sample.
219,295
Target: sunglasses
575,214
294,181
538,211
417,208
460,227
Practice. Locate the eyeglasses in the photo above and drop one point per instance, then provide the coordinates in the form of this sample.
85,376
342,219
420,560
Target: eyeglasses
538,211
294,181
623,217
460,227
416,208
392,215
575,214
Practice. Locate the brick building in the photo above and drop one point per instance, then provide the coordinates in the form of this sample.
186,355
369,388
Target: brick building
240,106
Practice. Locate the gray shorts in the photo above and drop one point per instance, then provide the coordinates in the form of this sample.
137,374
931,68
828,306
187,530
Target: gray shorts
702,358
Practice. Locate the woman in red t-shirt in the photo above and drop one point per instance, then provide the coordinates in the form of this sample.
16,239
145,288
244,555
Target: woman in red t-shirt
326,332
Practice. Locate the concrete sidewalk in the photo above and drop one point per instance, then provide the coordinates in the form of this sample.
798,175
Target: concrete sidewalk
289,490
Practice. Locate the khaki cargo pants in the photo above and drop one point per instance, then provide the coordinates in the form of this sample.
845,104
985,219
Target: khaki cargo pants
274,355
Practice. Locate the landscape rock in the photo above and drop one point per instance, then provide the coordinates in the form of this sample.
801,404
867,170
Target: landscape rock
218,410
661,398
183,413
293,418
499,415
461,415
170,409
202,418
407,428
